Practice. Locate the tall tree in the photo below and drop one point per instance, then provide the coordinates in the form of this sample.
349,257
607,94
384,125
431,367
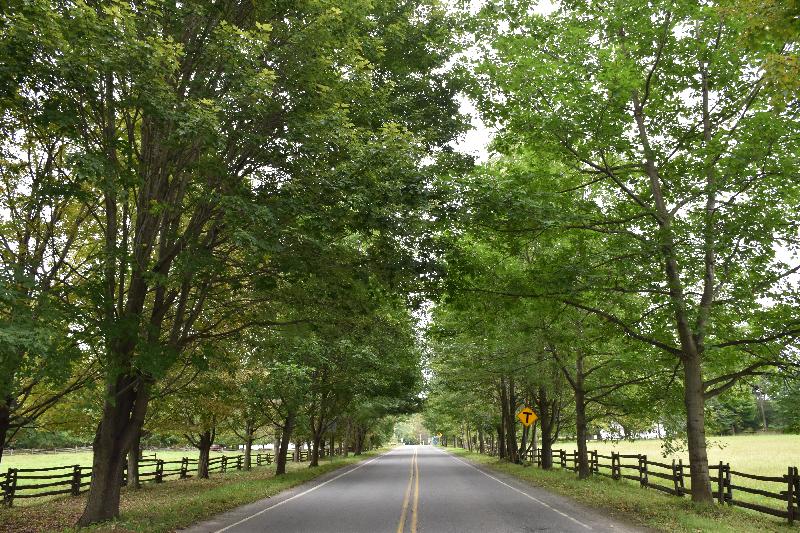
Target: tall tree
652,119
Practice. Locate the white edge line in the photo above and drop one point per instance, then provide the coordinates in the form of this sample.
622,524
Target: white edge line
540,502
312,489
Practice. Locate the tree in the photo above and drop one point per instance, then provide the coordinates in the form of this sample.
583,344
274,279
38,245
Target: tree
203,136
653,120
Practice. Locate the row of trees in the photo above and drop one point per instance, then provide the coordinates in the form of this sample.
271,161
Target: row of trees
217,211
629,257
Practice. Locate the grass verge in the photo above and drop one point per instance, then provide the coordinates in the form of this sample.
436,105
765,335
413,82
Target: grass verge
170,505
635,505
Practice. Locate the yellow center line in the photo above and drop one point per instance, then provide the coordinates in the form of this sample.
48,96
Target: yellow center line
402,525
416,494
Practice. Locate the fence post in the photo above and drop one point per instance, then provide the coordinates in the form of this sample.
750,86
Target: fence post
562,456
76,480
790,478
184,467
595,466
224,466
615,469
721,484
159,470
11,487
643,479
239,463
796,490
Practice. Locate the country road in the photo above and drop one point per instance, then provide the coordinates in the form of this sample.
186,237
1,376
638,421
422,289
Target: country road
412,489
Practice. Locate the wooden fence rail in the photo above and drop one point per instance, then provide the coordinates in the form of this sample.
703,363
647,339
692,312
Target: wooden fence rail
622,466
75,479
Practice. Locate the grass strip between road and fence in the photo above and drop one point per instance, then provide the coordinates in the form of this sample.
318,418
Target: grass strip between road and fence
164,507
776,495
26,483
628,502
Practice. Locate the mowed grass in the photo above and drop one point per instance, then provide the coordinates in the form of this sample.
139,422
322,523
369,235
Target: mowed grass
48,460
766,455
160,508
83,459
628,502
759,454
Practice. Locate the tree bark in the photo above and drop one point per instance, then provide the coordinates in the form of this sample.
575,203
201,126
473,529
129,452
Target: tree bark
579,388
204,445
694,400
123,414
580,425
315,447
512,452
286,436
133,461
248,444
546,423
5,424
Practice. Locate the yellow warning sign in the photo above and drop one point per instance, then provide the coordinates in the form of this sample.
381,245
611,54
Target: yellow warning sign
527,416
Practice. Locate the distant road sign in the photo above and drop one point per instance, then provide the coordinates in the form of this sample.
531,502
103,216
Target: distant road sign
527,416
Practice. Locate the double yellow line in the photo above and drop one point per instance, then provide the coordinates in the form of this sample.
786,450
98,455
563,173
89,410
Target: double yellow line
413,480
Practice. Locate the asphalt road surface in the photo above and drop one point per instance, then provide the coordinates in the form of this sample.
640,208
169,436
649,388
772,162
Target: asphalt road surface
412,489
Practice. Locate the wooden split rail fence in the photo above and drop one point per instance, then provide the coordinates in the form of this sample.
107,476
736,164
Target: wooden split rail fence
671,478
73,480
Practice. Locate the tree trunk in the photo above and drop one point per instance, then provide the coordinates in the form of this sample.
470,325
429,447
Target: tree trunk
204,445
360,436
512,452
123,414
546,423
695,429
248,446
133,461
5,424
286,436
503,429
501,439
315,447
580,418
580,425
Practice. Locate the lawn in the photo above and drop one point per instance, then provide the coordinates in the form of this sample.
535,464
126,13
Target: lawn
766,455
763,455
84,459
644,507
157,508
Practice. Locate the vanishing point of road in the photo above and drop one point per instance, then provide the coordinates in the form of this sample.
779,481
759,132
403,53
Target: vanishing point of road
412,489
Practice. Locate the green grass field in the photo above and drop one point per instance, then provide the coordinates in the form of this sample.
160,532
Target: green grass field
48,460
764,455
83,459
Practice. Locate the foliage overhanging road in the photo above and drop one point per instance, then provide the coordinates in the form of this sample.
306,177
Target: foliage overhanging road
412,489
